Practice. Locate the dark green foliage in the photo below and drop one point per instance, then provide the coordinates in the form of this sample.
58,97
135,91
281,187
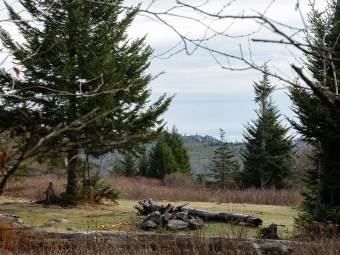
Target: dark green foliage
268,150
201,178
71,197
143,165
77,59
175,142
161,160
224,165
92,190
116,167
317,124
168,155
128,164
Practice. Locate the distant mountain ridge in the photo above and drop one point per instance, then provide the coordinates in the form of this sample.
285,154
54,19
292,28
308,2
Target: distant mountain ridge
199,138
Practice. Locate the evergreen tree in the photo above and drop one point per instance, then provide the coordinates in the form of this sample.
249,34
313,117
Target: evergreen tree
116,167
175,141
224,166
268,149
318,124
161,160
143,165
76,59
168,155
128,164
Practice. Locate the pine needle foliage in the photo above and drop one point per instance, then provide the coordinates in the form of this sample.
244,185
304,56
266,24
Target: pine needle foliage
268,147
224,166
168,155
318,124
78,63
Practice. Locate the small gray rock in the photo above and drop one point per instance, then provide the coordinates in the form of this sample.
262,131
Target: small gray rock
49,225
156,217
149,224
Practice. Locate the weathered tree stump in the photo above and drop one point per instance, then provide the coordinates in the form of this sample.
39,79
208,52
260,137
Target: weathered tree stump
270,232
51,197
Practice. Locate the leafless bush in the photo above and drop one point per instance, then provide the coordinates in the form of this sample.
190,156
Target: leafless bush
179,180
300,164
38,169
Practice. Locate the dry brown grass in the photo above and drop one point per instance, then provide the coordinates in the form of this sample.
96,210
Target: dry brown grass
26,242
172,188
7,235
34,187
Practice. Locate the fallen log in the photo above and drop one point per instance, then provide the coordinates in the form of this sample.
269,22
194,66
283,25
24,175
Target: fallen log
171,212
226,217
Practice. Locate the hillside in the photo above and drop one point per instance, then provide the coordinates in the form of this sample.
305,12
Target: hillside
201,150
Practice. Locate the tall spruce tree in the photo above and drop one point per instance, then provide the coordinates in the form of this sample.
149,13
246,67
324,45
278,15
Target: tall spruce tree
224,166
268,148
318,124
77,57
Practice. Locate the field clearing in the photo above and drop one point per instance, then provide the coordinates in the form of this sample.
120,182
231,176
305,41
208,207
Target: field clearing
272,206
89,217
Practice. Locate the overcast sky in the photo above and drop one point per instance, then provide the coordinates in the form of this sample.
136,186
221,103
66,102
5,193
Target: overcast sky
209,97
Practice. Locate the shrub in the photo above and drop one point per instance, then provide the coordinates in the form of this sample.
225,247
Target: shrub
94,190
7,236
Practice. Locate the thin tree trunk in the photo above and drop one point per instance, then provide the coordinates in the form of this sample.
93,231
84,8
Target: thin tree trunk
72,157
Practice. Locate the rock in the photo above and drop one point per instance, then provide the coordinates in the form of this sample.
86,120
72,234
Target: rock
149,224
49,225
61,220
12,220
156,217
177,224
